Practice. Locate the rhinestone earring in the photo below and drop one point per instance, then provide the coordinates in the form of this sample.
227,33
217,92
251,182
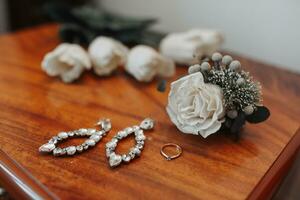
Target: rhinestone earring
93,134
116,159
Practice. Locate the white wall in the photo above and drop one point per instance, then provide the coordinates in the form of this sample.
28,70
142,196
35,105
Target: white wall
267,30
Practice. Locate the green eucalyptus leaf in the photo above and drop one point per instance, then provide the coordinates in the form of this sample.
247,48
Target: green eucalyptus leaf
151,38
99,20
92,18
73,33
121,23
261,114
83,24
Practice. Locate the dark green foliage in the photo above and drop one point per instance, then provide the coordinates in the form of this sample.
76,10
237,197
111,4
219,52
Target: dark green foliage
72,33
83,24
238,95
261,114
238,122
161,86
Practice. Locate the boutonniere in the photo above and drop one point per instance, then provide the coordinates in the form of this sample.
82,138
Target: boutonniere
216,94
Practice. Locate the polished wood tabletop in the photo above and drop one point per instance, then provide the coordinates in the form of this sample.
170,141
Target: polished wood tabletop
35,107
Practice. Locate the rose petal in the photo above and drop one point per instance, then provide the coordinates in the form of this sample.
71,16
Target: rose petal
194,106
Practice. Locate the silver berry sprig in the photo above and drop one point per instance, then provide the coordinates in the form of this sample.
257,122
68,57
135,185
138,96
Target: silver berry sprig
242,95
239,90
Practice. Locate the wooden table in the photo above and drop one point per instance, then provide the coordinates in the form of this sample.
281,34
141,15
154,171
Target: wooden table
34,107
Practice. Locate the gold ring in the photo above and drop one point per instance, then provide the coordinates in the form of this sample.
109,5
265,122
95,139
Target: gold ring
171,157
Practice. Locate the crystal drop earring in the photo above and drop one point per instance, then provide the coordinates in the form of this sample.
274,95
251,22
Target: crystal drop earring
94,137
116,159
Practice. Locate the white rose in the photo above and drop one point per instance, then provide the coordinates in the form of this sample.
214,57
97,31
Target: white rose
67,61
106,55
187,47
196,107
144,63
212,40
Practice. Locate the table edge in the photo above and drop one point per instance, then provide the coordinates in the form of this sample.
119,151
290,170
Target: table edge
19,183
271,180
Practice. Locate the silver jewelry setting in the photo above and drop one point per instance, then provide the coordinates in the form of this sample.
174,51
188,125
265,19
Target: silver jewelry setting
138,131
94,137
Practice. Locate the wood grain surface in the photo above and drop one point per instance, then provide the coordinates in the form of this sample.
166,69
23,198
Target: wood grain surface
34,107
19,182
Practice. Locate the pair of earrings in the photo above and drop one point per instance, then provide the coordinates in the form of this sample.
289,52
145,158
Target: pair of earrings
95,136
